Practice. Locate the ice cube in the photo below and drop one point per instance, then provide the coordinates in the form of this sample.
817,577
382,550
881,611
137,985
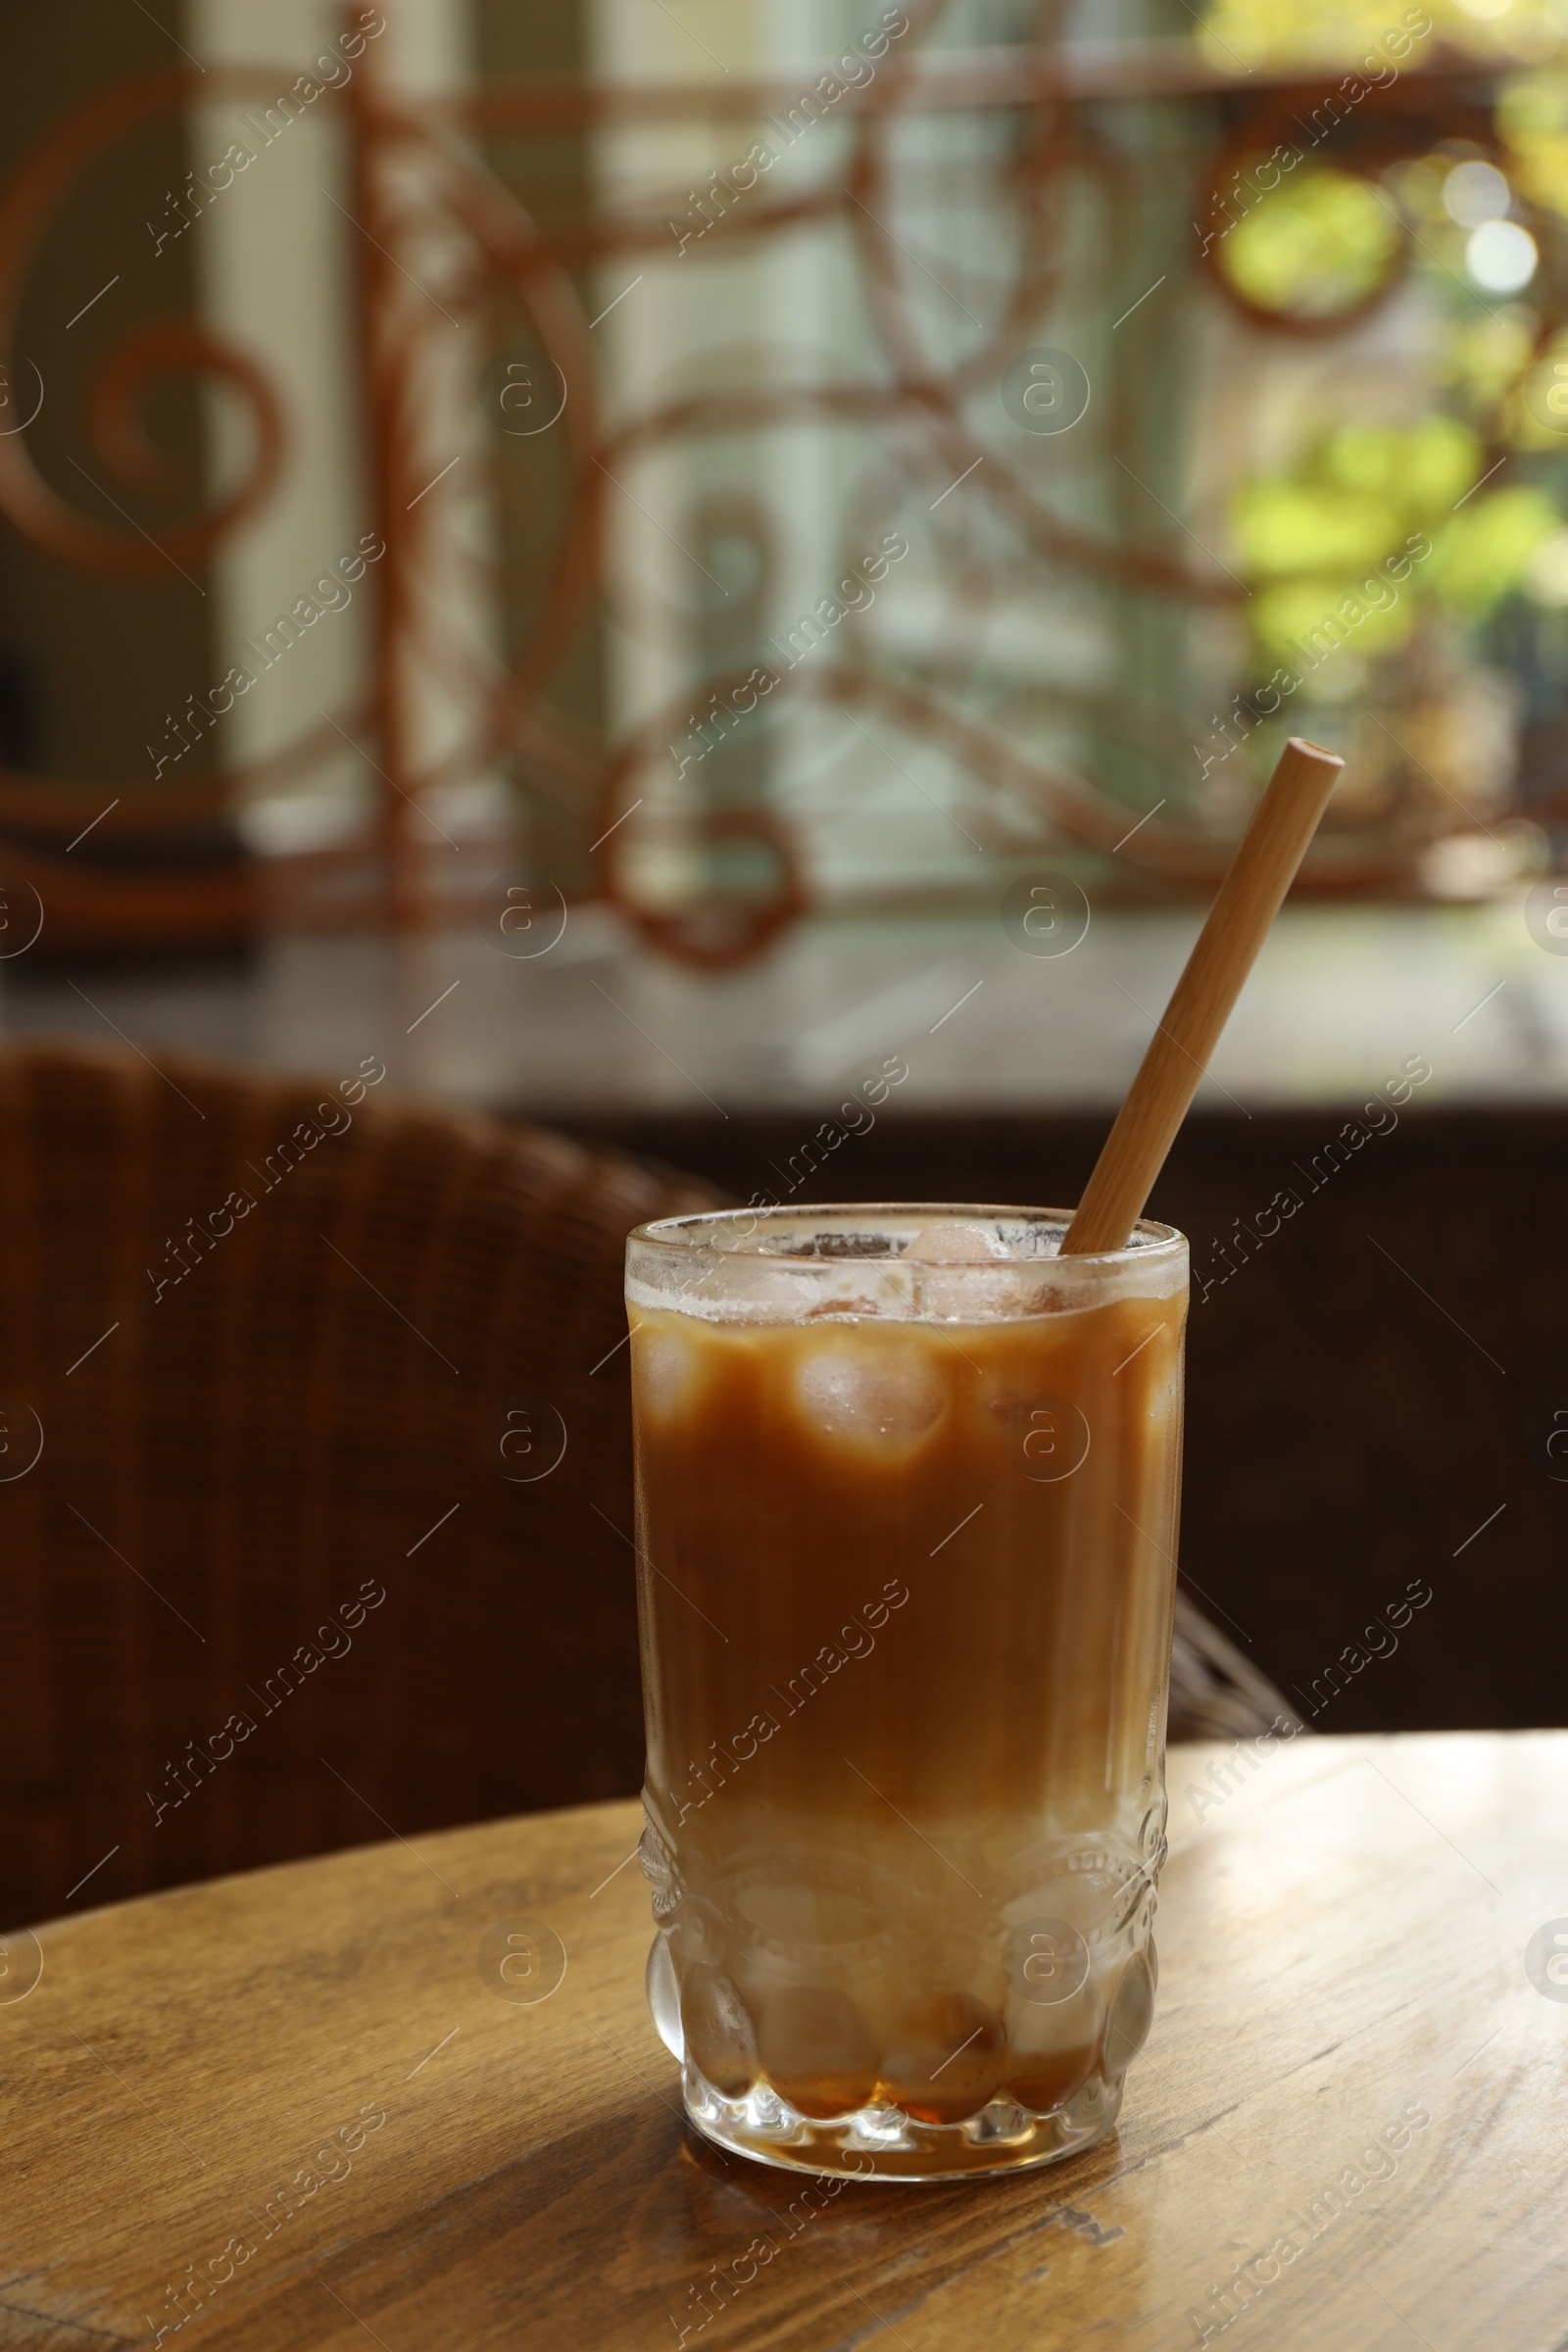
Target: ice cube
663,1364
1046,2076
945,1264
881,1387
664,1996
944,2058
719,2035
953,1243
818,2050
1054,2012
1132,2013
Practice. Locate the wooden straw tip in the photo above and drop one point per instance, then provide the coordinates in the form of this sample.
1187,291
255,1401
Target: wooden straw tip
1314,751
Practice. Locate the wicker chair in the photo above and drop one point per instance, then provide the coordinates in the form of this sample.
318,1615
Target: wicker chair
345,1390
292,1554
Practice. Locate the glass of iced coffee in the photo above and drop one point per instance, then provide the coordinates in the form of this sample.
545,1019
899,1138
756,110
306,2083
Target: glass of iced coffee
908,1484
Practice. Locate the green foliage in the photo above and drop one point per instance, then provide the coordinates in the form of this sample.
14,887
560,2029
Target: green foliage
1239,35
1480,555
1312,247
1361,492
1320,540
1288,614
1337,32
1531,115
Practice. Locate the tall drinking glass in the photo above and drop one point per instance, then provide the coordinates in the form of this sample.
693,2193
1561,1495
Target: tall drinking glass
908,1484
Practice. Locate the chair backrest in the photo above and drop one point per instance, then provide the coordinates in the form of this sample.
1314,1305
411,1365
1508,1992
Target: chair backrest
315,1470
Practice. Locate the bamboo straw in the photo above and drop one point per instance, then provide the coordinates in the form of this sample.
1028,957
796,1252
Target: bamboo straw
1249,898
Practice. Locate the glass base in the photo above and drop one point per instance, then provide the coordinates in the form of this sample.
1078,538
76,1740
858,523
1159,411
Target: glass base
883,2143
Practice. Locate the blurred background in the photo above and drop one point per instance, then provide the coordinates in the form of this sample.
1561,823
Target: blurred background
659,567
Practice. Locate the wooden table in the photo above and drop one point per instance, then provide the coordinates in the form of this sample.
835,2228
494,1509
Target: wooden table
1351,2112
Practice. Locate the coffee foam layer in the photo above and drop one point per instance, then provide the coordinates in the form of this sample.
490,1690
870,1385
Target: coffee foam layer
739,1289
